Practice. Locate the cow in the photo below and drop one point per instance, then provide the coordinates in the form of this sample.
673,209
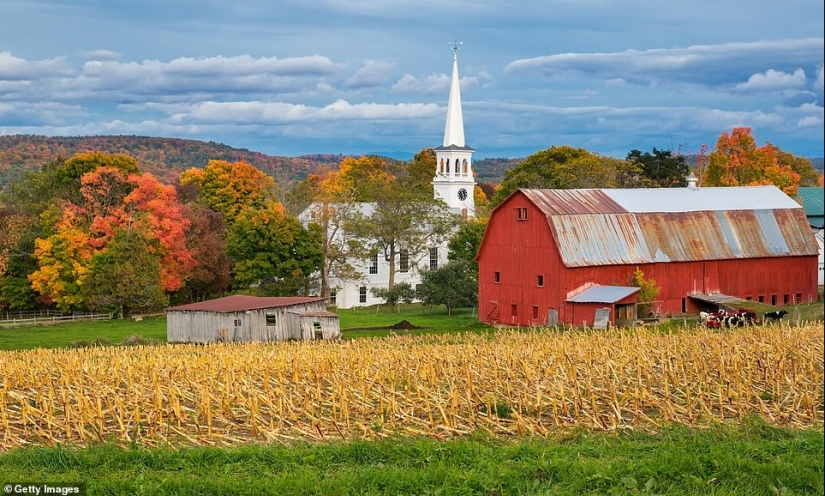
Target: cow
775,315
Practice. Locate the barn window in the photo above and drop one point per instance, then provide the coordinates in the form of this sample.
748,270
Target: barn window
271,319
333,297
521,213
540,281
374,263
433,258
535,312
798,300
362,294
749,298
319,333
238,322
684,305
787,299
403,261
773,300
496,276
514,310
761,298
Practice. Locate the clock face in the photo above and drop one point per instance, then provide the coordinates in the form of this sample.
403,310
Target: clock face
462,194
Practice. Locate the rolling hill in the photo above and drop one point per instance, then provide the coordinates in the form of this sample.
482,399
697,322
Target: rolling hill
167,157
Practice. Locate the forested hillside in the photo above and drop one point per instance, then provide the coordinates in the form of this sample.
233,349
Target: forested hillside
163,157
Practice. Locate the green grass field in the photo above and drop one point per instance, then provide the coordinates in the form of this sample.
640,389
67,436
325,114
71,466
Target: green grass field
749,458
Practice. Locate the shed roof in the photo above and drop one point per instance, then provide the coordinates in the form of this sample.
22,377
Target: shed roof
639,226
238,303
811,199
604,294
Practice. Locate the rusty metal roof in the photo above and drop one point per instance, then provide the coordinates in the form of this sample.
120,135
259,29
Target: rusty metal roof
606,227
604,294
239,303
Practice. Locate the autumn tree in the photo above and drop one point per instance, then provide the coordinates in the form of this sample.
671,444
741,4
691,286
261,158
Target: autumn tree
419,172
398,222
205,241
661,169
273,252
125,276
337,195
230,188
70,172
564,167
157,213
23,204
738,161
81,231
648,292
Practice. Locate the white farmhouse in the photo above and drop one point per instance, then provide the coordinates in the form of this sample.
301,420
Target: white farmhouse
453,182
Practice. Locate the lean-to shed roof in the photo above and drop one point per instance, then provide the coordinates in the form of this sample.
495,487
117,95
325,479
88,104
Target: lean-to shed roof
639,226
239,303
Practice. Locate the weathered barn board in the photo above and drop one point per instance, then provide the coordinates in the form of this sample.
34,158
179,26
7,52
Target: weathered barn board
541,245
241,318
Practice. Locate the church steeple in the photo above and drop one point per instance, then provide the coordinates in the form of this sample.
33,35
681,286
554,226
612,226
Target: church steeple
454,128
454,180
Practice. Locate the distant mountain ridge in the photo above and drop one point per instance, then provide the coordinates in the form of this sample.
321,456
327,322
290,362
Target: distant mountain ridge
163,157
166,158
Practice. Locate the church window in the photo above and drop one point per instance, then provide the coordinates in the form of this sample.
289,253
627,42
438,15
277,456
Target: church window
448,166
374,263
433,258
465,166
403,261
362,294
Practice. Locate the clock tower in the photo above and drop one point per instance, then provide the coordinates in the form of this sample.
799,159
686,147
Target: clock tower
454,180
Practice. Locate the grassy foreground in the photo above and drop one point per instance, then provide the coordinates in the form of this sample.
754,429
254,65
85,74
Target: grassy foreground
751,459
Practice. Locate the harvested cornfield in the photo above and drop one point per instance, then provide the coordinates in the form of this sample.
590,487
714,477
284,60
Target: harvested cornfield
535,382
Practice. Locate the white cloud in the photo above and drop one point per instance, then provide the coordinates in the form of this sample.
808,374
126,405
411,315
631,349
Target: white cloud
373,73
772,80
703,64
13,68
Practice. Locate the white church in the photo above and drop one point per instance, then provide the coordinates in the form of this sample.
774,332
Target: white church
454,183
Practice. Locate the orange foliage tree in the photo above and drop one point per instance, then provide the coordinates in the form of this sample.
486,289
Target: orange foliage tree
110,202
738,161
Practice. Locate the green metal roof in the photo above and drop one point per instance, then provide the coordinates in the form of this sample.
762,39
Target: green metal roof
811,199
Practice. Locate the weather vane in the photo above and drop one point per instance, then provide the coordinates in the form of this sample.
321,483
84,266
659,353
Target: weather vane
455,45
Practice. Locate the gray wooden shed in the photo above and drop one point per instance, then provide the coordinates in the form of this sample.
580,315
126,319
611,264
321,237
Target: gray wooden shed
241,318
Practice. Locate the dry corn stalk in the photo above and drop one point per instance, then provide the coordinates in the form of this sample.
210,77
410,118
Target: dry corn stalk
513,383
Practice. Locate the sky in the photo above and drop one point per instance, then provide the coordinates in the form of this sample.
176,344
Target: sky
358,77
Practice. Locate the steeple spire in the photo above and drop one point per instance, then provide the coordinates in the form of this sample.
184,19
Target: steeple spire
454,181
454,128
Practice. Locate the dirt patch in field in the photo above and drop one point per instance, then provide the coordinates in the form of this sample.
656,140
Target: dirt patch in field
404,325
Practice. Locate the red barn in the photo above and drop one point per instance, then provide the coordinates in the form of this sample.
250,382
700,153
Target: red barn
567,256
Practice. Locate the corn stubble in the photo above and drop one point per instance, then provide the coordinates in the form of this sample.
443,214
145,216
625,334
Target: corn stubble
515,383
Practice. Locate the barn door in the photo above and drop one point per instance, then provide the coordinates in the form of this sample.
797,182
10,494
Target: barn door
552,317
492,311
